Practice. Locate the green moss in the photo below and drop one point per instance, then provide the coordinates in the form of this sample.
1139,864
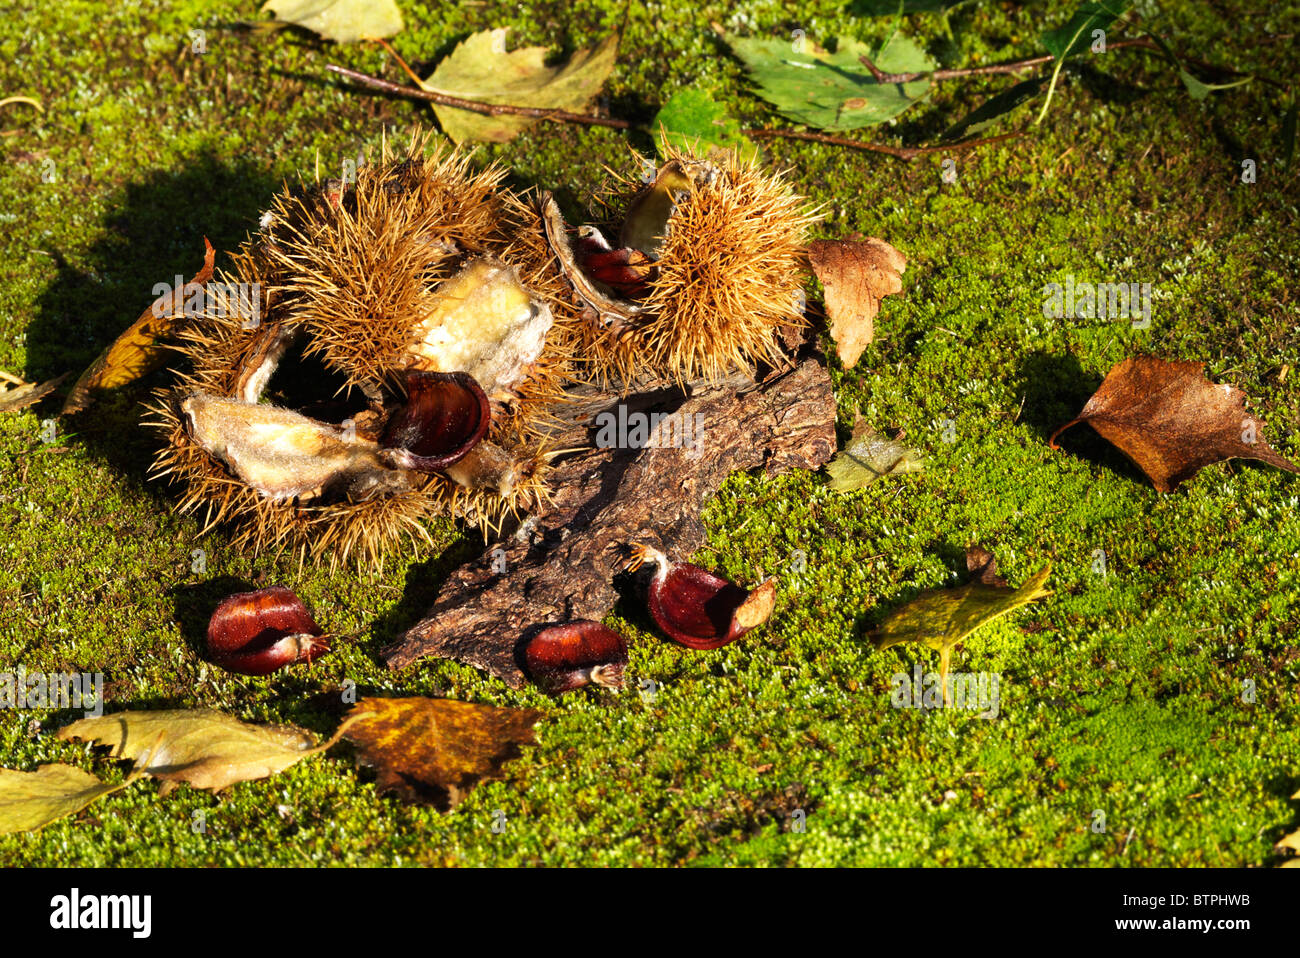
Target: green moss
1121,694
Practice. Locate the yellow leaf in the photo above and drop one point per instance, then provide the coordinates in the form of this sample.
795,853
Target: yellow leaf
343,21
940,618
31,800
203,747
480,69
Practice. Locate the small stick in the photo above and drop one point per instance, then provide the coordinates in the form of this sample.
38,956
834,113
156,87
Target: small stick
902,152
474,106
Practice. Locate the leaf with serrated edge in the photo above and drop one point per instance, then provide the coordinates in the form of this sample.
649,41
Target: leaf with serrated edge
202,747
31,800
856,275
480,69
940,618
695,119
343,21
436,750
833,91
1171,421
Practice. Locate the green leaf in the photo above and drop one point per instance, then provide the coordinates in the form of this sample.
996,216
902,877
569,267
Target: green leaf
995,108
833,91
481,69
1288,133
940,618
31,800
694,118
869,456
1199,90
343,21
1076,35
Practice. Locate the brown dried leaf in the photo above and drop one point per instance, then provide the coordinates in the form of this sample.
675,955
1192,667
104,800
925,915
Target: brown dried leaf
1171,421
206,748
21,395
138,351
857,275
436,750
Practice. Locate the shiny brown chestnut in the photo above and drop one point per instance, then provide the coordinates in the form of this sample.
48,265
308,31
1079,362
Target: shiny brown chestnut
445,416
256,633
564,657
699,609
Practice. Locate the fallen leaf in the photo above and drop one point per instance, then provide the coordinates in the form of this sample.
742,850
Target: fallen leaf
856,276
203,747
480,69
343,21
833,91
138,351
1076,34
31,800
868,456
436,750
1171,421
696,119
21,394
994,108
940,618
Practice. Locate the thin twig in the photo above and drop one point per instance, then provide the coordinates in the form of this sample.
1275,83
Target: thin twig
473,106
902,152
882,77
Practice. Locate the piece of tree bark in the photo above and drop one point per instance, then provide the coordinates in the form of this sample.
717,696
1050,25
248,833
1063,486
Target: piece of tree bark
561,565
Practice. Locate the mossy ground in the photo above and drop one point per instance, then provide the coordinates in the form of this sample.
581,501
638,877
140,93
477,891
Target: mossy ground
1120,694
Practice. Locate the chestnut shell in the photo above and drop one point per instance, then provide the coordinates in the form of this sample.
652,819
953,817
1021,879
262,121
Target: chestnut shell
445,416
256,633
560,658
705,611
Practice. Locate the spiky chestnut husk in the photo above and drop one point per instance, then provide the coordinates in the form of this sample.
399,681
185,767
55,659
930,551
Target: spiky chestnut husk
729,274
408,224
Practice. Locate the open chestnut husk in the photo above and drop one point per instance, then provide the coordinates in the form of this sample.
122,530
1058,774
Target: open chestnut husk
256,633
699,609
445,416
564,657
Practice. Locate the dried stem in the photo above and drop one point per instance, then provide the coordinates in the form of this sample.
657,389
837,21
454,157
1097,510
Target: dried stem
902,152
473,106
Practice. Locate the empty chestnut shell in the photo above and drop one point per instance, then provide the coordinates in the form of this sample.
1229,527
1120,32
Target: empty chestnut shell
255,633
699,609
561,658
445,416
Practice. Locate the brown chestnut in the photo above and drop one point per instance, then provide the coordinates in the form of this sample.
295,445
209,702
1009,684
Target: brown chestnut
255,633
699,609
445,416
564,657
